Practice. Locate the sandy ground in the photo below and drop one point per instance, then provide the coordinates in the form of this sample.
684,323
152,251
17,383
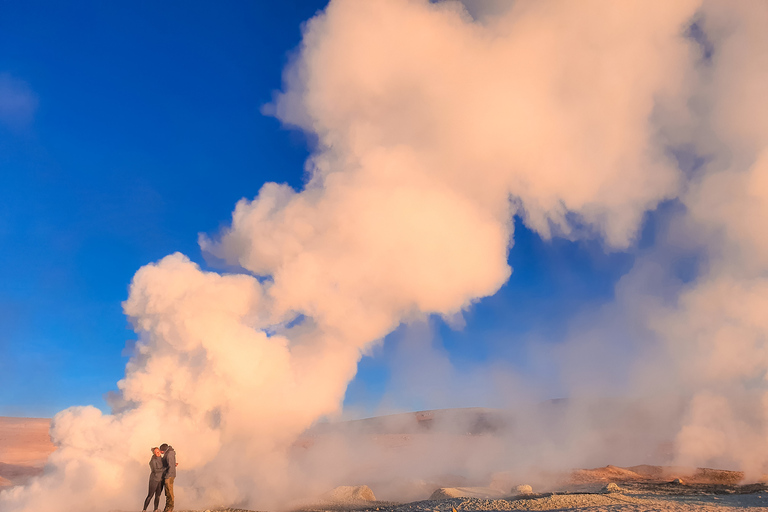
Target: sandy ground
642,488
640,498
615,502
631,496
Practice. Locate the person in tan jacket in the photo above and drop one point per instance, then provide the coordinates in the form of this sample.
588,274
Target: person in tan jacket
169,463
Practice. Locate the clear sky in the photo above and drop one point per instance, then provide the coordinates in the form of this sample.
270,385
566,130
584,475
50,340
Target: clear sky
127,128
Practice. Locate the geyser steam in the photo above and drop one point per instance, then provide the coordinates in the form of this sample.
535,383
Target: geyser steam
435,129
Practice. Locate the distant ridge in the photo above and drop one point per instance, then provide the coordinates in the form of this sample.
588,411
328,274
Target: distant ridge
25,444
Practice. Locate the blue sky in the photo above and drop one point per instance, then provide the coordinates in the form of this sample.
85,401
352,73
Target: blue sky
127,128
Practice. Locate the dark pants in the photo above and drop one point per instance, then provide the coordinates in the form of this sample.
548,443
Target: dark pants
169,494
155,488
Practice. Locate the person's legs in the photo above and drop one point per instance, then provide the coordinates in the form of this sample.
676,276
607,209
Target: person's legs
152,489
168,494
158,492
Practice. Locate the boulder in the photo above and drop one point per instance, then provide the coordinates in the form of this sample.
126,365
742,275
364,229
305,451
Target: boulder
522,489
611,487
350,493
486,493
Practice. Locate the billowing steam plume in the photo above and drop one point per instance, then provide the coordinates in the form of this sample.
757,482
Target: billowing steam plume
434,129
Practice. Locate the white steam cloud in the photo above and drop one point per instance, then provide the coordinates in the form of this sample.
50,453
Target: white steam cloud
434,129
718,334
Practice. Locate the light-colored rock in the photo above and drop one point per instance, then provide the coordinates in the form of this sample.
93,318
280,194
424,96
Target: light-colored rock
350,493
611,487
678,481
523,489
485,493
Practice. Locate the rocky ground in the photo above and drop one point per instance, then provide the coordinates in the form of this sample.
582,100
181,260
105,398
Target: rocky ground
629,497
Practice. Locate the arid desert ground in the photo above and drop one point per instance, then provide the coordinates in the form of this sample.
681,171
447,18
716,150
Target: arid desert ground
25,446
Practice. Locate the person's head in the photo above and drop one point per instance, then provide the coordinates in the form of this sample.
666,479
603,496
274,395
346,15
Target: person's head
156,451
164,447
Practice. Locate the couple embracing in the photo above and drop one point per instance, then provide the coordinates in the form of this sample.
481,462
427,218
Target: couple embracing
163,472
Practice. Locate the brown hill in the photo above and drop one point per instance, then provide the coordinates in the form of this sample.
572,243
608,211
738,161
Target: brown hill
24,448
647,473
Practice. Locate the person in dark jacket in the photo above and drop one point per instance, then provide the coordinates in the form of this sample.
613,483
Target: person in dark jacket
157,469
169,463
